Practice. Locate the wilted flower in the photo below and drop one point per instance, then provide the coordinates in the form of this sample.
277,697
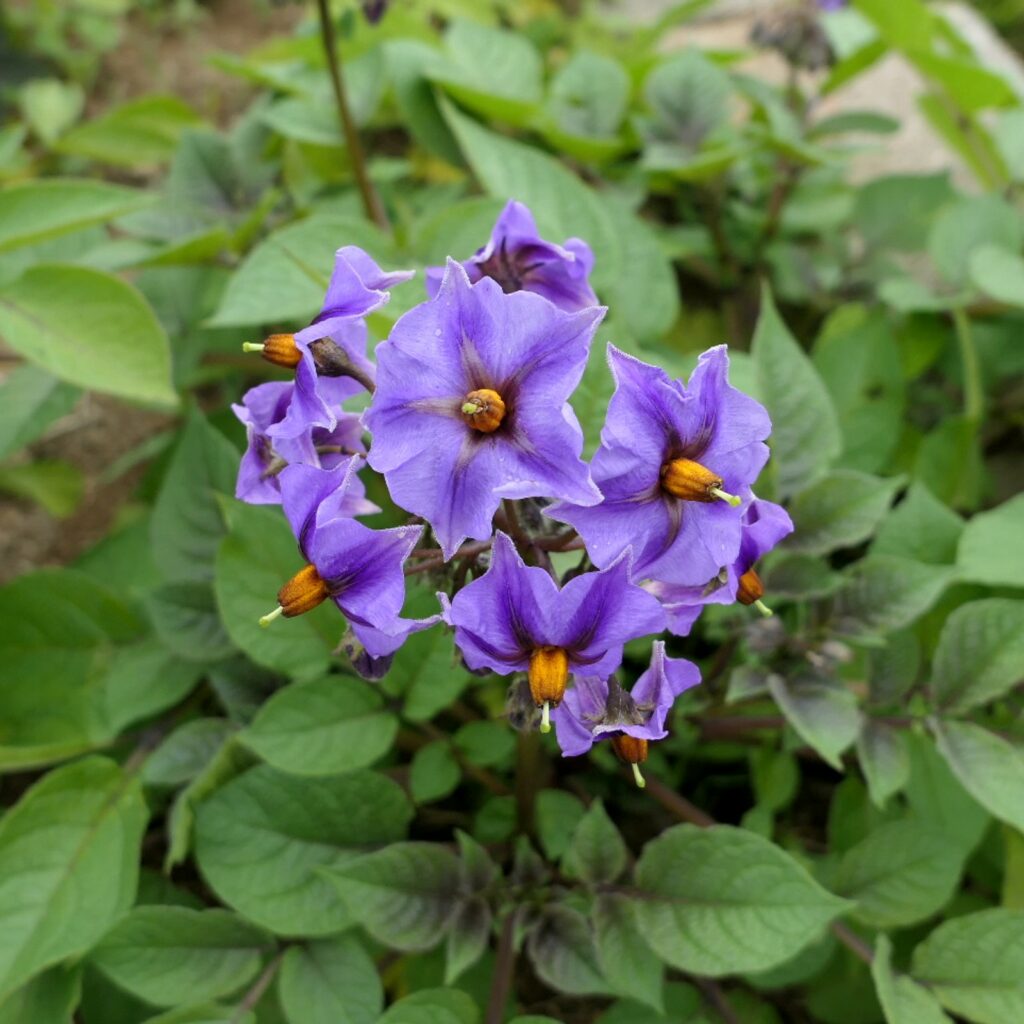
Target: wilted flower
264,457
515,618
471,406
520,260
358,568
596,709
674,463
764,525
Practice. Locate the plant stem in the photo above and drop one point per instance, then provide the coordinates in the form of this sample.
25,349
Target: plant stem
259,987
974,397
504,967
716,996
853,942
371,201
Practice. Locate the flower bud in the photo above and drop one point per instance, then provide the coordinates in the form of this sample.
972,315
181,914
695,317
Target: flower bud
483,410
690,481
303,592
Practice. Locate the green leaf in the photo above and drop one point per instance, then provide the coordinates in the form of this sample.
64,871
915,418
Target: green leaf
805,432
884,760
467,938
69,856
558,813
974,965
256,558
588,96
49,998
980,654
141,132
990,768
920,527
55,485
403,895
596,853
484,743
207,1013
434,772
839,510
33,211
689,97
491,71
907,26
824,714
858,358
899,874
722,900
261,839
884,593
937,798
184,617
187,524
330,982
283,279
426,674
999,273
163,953
990,551
627,963
89,328
322,727
186,752
902,999
433,1006
31,400
965,226
60,635
631,272
562,949
50,107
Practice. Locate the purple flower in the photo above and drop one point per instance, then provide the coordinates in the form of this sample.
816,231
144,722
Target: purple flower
471,406
832,5
764,525
670,455
358,568
515,618
264,458
520,260
600,709
331,357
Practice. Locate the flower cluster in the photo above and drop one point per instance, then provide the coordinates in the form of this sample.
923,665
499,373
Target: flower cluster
471,427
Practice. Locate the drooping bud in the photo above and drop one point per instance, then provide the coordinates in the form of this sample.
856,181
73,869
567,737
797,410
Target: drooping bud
751,590
331,360
483,410
690,481
302,593
633,752
367,667
279,349
549,673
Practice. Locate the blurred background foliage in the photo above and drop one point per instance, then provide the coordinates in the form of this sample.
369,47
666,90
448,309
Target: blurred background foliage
187,794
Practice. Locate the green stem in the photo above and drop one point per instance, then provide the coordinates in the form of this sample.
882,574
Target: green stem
371,201
974,397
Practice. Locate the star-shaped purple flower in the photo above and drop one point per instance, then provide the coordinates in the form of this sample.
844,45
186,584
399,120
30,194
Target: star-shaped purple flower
674,463
515,618
520,260
332,349
264,458
764,525
471,406
597,708
358,568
